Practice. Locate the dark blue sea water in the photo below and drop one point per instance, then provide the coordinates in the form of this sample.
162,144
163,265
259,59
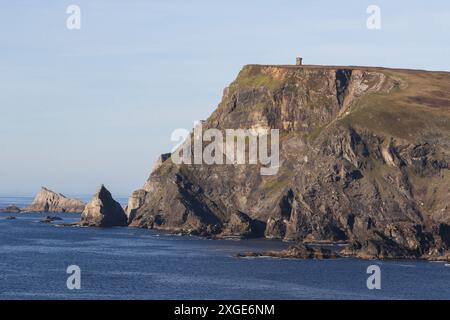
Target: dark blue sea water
125,263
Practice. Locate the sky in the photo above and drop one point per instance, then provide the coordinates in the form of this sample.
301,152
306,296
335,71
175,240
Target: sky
98,104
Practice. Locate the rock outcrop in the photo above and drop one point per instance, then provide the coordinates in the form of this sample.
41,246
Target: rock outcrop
134,202
298,251
49,201
240,225
50,219
11,209
364,159
103,211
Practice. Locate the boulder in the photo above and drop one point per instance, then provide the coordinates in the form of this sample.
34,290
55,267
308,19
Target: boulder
50,219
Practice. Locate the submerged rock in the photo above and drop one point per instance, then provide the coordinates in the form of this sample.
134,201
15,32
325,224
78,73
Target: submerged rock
103,211
241,226
50,219
50,201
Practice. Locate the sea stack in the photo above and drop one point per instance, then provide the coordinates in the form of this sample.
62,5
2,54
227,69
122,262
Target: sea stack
103,211
50,201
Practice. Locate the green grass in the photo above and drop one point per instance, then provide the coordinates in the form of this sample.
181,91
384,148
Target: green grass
253,77
407,112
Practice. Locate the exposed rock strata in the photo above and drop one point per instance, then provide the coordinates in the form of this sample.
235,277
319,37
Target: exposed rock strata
364,154
49,201
103,211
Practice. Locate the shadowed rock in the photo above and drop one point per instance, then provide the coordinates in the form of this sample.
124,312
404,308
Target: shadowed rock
241,226
103,211
11,209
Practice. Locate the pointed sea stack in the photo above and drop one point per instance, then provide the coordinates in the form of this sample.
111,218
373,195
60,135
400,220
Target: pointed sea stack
103,211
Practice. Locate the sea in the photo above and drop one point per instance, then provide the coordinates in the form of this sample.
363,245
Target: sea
37,262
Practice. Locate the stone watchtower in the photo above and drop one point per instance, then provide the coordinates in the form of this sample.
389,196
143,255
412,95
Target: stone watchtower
298,61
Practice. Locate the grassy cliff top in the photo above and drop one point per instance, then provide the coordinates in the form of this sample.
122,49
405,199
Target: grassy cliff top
418,107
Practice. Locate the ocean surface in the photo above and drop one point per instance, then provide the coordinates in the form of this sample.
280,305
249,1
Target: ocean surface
125,263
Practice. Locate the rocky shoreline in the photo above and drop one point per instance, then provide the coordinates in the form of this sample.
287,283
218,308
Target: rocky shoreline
304,252
298,251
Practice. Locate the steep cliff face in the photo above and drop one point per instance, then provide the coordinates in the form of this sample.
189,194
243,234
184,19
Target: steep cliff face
364,158
49,201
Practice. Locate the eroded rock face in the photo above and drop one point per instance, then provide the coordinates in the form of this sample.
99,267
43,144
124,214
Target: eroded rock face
275,228
103,211
49,201
364,158
242,226
136,201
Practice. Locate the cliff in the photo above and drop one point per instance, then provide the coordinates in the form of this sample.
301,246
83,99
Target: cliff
364,159
49,201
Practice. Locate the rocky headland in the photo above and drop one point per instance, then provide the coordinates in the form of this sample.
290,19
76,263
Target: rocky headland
364,159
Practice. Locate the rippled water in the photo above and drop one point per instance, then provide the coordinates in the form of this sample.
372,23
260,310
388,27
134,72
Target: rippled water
125,263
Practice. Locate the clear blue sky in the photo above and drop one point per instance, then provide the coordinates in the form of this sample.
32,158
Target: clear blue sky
97,105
